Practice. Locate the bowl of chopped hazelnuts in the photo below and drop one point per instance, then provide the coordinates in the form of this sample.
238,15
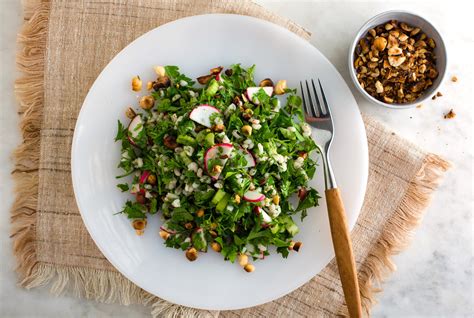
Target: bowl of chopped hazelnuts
398,59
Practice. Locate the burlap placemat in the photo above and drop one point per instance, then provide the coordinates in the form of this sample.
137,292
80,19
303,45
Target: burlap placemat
64,46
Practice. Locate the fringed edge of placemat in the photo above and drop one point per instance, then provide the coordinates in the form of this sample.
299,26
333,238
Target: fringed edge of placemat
29,92
397,233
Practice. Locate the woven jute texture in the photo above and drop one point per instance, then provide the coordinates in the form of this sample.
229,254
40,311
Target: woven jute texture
63,47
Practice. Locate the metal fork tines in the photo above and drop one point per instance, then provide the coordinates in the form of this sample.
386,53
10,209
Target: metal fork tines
318,114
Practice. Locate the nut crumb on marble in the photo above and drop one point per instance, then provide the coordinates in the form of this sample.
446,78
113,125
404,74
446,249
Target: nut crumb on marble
454,79
449,115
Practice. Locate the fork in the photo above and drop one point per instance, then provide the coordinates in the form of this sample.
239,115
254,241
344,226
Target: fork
318,115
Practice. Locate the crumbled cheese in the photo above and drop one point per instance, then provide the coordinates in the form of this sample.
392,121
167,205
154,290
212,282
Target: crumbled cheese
172,184
125,155
173,116
252,171
170,197
225,139
230,208
175,98
199,172
183,83
188,188
236,134
230,109
192,93
218,185
195,185
177,172
260,147
176,203
187,240
298,164
277,106
138,163
261,248
256,126
188,150
292,129
148,195
178,149
192,166
218,121
306,129
148,186
274,210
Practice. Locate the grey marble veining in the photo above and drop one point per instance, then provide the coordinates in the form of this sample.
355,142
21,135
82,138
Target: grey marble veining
434,276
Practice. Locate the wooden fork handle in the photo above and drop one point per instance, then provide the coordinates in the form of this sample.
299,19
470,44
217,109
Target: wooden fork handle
343,248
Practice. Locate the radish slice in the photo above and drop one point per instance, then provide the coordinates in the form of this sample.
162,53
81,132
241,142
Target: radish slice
249,157
219,78
265,217
213,153
251,91
144,176
135,126
258,210
253,196
202,114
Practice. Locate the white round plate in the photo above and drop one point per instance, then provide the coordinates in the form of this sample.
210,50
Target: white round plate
197,44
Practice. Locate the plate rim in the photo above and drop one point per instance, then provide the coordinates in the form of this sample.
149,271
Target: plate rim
101,74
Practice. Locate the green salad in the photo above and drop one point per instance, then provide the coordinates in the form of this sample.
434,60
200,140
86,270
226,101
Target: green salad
226,163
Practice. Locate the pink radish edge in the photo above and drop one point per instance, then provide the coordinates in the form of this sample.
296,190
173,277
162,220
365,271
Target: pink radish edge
144,176
206,154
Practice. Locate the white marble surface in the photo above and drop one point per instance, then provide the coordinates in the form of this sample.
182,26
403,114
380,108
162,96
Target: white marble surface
434,277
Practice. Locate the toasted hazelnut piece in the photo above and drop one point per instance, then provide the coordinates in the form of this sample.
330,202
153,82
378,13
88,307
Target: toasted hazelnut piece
266,83
213,233
450,115
203,80
149,85
392,41
396,61
237,198
243,260
130,113
229,72
388,99
380,43
161,82
151,179
406,27
379,87
415,31
303,154
213,226
388,26
216,169
280,87
147,102
249,268
439,94
403,37
454,79
422,68
216,247
218,128
372,32
164,235
191,254
216,70
200,213
297,246
394,51
276,199
160,71
139,224
188,226
431,43
136,83
170,142
246,130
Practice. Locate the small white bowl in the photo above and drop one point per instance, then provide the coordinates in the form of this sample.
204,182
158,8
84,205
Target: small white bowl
426,27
